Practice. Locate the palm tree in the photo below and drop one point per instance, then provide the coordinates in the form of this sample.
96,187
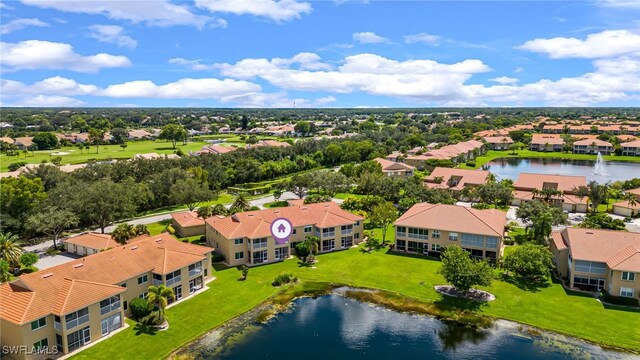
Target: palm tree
241,203
141,229
123,232
10,249
631,199
313,242
158,297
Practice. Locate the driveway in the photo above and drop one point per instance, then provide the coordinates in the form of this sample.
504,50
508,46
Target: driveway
48,261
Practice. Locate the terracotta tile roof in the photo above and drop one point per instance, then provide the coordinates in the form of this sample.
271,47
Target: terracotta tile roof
76,294
151,156
93,240
296,202
631,144
620,250
527,181
556,237
26,141
78,283
388,165
187,219
568,198
6,139
217,149
271,143
464,177
589,142
541,139
625,204
635,192
461,219
256,224
498,140
624,137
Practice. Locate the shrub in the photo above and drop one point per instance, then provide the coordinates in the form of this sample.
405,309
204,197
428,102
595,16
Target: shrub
180,153
171,230
16,165
151,319
508,241
618,300
56,160
216,257
481,206
284,279
28,259
471,163
139,308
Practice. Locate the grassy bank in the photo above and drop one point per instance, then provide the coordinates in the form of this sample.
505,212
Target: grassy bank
548,307
494,154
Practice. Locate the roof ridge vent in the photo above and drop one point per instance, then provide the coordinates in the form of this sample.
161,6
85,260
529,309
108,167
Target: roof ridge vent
78,266
47,275
158,239
134,247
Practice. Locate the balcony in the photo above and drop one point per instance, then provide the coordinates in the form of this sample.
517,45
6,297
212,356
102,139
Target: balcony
78,321
194,272
329,234
109,308
156,282
175,280
346,231
262,245
57,325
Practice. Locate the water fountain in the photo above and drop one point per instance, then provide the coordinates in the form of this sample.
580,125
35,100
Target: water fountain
599,168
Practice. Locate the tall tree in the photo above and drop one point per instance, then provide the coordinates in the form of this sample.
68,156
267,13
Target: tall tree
240,203
596,193
461,271
52,221
299,184
123,233
330,182
173,133
158,297
96,137
191,193
18,196
383,215
533,262
45,140
495,193
10,249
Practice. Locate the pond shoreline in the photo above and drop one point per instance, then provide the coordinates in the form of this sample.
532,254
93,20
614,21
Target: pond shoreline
237,328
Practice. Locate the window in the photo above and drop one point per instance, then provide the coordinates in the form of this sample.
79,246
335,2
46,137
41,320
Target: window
307,229
401,244
195,285
328,232
59,342
628,276
238,241
37,324
143,279
401,231
124,285
598,282
240,255
125,306
472,240
435,234
294,232
143,295
491,242
260,243
453,236
111,323
590,267
435,247
110,304
178,292
415,233
412,246
626,292
173,278
476,253
195,269
282,253
356,236
260,257
56,322
346,242
358,223
41,346
78,338
346,229
157,279
77,318
328,245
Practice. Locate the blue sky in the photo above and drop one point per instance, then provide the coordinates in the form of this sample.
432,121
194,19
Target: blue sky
270,53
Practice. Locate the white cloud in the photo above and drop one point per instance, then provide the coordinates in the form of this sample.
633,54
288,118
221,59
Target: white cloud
113,34
368,37
49,101
195,65
219,23
37,54
19,24
206,88
422,38
278,11
504,80
608,43
630,4
155,12
51,86
306,61
368,73
518,69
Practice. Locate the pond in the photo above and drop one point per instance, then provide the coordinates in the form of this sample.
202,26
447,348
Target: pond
335,327
510,168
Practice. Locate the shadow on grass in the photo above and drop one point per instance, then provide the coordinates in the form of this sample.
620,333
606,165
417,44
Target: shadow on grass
621,308
572,292
409,255
304,264
143,329
525,284
448,302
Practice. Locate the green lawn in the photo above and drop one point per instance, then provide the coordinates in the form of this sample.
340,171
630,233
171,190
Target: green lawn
223,198
75,156
494,154
343,196
549,307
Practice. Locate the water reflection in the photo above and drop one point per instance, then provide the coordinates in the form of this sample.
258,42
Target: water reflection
452,335
510,168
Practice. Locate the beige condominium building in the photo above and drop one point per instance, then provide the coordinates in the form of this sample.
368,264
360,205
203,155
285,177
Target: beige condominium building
427,228
395,169
245,238
64,308
599,259
530,187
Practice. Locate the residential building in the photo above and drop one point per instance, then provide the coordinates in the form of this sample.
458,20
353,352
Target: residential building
427,228
23,143
459,152
245,238
599,260
631,148
528,188
268,143
543,142
215,149
89,243
395,169
628,208
187,223
82,301
592,146
455,179
498,142
153,156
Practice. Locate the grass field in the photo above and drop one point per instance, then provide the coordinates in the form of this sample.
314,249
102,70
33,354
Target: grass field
549,307
494,154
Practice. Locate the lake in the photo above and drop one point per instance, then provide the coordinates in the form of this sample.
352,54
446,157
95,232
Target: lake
335,327
510,168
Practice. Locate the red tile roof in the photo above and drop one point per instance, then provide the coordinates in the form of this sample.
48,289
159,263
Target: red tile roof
388,165
527,181
620,250
93,240
464,177
187,219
